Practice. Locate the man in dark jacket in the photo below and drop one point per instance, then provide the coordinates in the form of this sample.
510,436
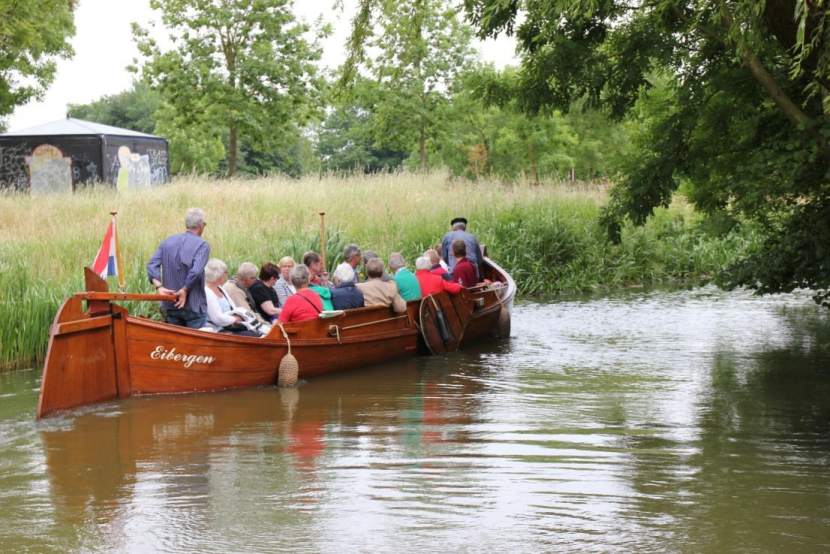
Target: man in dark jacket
459,232
345,295
178,268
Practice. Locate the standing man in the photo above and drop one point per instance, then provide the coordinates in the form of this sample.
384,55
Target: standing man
459,232
178,268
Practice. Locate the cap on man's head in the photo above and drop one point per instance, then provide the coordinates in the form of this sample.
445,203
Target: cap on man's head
459,220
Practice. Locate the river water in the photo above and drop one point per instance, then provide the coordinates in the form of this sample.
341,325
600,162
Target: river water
686,421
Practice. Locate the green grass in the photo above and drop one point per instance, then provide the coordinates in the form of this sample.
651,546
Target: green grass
546,236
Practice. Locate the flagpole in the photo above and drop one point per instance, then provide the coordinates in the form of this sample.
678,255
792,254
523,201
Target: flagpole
323,239
118,264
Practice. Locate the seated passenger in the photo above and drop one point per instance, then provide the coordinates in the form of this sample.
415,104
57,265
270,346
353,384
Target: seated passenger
303,304
219,303
437,265
351,259
345,295
263,293
283,286
317,273
464,273
237,288
370,255
325,295
377,292
430,282
406,281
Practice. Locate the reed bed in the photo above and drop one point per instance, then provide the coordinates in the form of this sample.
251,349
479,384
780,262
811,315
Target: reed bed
546,236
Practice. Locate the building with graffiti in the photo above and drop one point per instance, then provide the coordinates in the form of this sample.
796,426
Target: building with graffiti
67,154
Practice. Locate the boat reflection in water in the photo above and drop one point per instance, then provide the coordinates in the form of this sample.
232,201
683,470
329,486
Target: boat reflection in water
169,462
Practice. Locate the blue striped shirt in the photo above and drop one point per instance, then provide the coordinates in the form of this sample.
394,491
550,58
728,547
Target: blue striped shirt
180,262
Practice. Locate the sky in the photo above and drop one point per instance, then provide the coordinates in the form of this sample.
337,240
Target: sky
104,48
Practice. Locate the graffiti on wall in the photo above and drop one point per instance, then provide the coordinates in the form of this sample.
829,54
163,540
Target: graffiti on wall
133,170
158,166
14,172
49,170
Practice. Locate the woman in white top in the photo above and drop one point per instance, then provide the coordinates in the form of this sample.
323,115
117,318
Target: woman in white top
219,304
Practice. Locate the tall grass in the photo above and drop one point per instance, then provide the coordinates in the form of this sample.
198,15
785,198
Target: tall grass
546,236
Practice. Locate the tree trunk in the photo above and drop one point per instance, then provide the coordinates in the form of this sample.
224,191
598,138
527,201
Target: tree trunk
534,166
232,147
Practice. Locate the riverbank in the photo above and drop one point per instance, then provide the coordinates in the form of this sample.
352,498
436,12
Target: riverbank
546,236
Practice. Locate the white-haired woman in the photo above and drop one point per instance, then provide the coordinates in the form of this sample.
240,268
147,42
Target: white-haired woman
219,303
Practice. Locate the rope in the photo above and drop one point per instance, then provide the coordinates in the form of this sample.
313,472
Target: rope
336,332
373,322
284,334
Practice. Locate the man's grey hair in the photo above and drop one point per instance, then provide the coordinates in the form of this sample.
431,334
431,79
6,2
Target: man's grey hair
459,226
299,275
368,255
396,261
247,270
350,251
194,218
374,268
214,270
423,263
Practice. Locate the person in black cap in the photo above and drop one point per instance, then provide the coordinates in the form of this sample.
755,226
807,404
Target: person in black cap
459,231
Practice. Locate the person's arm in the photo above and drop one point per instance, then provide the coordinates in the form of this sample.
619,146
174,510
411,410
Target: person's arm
154,273
197,268
445,249
398,304
264,301
450,287
215,313
269,308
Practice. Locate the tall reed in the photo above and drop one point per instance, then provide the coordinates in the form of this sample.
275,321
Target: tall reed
547,236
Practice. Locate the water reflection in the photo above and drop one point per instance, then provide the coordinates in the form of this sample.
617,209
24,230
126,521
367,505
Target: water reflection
663,421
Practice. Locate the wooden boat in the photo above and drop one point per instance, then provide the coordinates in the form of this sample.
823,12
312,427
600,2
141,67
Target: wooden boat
97,351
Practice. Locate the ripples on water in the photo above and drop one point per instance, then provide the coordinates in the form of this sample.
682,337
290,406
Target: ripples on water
665,421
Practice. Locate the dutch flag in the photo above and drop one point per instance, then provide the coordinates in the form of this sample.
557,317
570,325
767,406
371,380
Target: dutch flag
108,262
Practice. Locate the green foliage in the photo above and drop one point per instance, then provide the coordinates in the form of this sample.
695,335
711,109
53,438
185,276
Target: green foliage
419,49
238,72
33,34
489,134
348,140
728,98
132,109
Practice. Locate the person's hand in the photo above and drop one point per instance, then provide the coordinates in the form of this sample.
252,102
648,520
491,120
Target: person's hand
181,298
163,290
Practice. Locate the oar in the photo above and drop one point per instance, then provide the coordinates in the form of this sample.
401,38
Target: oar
124,296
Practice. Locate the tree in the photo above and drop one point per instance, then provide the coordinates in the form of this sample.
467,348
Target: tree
241,70
730,96
348,140
32,35
132,109
421,47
